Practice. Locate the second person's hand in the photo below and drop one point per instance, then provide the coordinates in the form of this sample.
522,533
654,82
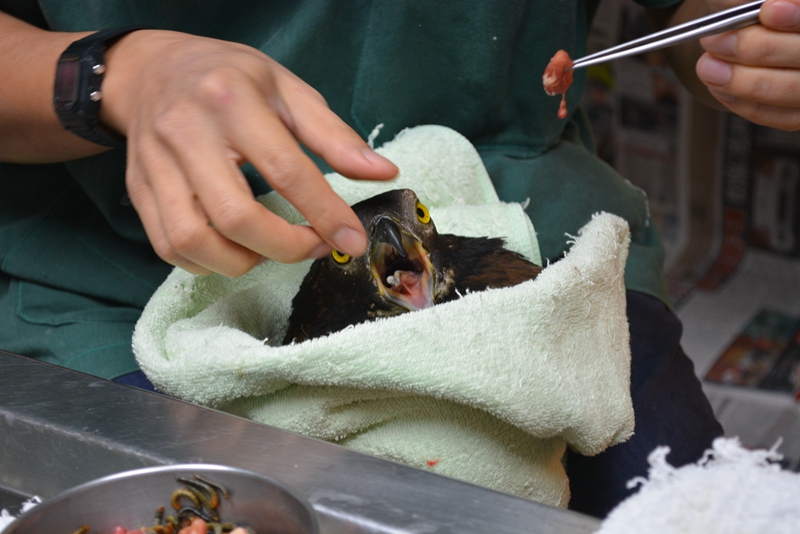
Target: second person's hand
755,71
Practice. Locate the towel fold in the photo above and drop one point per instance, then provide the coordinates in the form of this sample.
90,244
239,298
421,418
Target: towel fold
490,388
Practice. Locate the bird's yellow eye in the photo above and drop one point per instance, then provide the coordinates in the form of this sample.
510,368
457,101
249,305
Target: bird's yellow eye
423,214
340,257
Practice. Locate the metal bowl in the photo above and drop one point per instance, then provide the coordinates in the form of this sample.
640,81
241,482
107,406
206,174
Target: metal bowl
130,500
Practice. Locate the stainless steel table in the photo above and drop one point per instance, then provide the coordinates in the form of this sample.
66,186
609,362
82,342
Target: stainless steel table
59,428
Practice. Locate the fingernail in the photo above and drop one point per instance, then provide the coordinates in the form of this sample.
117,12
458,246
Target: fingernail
374,158
383,165
320,251
713,71
350,241
721,96
782,14
724,45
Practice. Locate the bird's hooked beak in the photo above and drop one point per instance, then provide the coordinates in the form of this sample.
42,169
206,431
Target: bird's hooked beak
401,266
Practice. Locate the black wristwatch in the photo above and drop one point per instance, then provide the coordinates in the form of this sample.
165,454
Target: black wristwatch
77,93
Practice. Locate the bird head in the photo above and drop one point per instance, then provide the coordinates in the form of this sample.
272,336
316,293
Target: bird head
407,266
397,226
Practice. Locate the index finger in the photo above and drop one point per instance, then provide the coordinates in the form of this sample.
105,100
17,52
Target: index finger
782,15
292,174
307,116
755,46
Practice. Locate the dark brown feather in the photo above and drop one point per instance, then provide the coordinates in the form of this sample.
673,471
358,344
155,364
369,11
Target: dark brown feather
481,263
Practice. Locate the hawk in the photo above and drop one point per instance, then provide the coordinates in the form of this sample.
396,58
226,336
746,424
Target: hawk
408,266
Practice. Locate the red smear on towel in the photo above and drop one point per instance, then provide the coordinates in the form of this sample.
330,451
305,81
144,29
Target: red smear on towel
431,463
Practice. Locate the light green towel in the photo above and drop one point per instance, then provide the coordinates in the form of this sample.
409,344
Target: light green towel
490,388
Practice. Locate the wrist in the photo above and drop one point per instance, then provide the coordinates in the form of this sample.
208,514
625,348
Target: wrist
126,60
78,92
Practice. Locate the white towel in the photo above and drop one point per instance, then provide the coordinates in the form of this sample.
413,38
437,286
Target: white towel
731,490
489,388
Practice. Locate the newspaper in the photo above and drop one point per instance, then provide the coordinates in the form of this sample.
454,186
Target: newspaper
742,318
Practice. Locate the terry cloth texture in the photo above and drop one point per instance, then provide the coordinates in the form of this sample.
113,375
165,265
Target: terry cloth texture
731,490
670,406
490,388
6,518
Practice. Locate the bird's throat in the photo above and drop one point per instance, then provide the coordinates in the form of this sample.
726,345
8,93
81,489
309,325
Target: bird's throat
410,289
405,278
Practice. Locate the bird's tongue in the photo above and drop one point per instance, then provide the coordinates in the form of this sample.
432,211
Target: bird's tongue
411,286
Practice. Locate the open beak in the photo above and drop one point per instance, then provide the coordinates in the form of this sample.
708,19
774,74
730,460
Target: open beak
401,266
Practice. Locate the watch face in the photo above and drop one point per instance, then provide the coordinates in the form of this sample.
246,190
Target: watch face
67,81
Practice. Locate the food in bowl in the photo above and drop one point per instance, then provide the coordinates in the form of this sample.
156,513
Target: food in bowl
133,499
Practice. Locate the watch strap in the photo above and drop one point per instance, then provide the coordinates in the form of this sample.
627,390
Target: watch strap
81,117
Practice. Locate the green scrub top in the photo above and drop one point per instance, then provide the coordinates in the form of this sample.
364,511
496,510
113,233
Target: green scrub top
75,265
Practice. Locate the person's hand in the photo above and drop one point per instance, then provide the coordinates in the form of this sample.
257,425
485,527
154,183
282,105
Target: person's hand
195,109
755,71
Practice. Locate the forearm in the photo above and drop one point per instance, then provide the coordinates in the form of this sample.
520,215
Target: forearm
30,131
683,57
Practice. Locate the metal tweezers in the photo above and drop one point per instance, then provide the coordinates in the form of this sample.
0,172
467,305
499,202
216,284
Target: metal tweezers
722,21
